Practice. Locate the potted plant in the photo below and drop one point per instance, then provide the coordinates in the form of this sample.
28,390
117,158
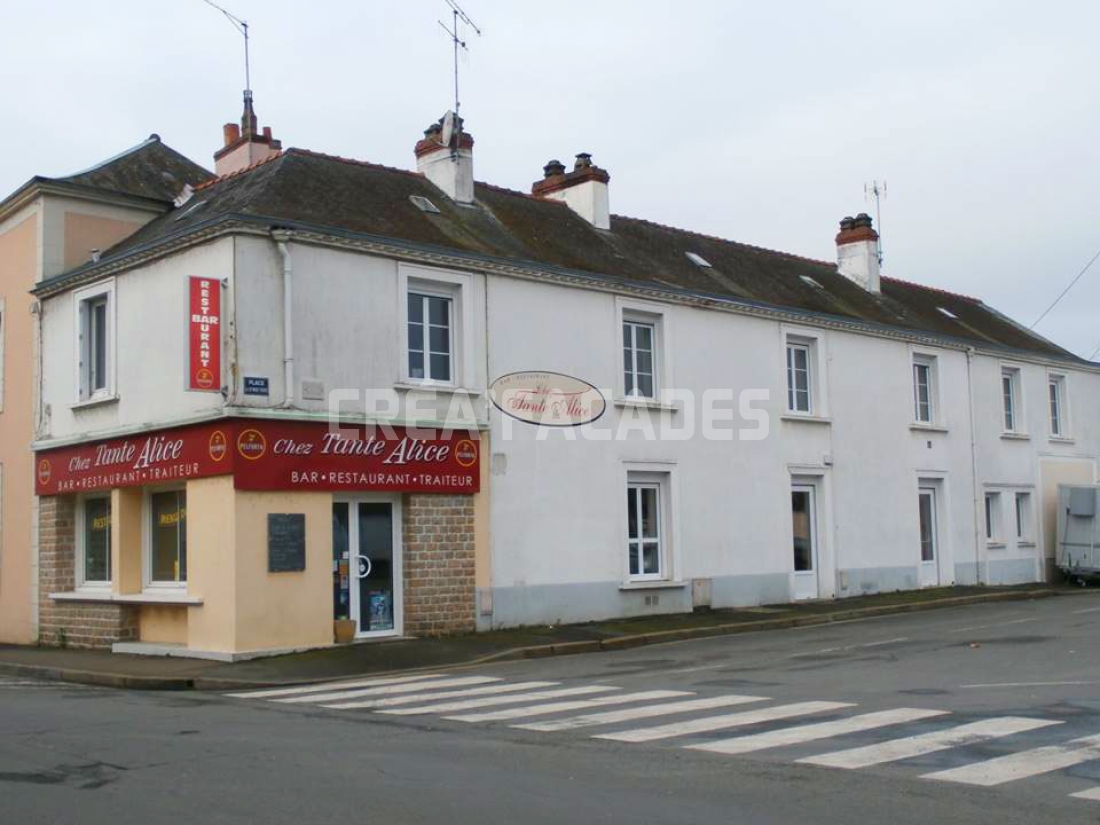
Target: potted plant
343,631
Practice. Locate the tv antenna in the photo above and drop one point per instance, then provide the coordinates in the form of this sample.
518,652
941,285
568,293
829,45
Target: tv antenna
876,191
242,27
457,16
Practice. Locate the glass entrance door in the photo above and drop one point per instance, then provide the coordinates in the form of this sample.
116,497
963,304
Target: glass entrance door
366,567
804,531
929,550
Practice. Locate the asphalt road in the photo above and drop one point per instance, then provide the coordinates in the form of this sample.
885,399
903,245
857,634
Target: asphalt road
960,716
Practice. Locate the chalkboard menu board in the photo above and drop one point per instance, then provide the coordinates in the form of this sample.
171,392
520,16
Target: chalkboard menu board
286,542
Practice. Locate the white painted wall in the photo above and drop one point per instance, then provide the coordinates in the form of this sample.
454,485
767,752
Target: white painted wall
558,506
150,357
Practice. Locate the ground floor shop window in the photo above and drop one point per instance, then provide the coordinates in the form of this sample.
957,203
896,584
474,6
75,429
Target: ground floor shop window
168,537
94,548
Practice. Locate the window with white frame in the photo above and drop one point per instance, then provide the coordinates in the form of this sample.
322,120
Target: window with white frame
924,376
167,537
431,337
639,358
1010,400
437,327
93,567
992,517
645,526
1056,394
1023,518
799,376
95,315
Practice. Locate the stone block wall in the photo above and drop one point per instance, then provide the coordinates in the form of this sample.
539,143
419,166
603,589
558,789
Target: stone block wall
68,623
439,564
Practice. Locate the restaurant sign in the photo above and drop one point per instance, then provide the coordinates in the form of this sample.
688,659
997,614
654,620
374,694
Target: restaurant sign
548,399
269,455
204,335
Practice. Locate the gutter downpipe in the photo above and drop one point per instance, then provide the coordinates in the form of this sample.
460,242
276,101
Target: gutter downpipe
978,508
282,239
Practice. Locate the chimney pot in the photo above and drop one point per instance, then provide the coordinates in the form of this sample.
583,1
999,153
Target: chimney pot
449,167
584,190
857,252
237,154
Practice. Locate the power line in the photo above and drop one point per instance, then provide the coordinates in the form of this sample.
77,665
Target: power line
1066,290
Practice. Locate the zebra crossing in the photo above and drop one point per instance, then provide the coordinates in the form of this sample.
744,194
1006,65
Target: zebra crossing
699,723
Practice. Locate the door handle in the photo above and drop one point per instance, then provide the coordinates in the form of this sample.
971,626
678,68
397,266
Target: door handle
364,566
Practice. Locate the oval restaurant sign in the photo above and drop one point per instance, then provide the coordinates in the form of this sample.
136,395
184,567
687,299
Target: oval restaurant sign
269,455
549,399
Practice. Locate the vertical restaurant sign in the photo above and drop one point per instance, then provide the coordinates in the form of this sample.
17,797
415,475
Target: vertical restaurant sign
204,336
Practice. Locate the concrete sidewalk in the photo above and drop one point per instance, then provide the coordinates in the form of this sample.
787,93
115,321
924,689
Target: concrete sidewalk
164,673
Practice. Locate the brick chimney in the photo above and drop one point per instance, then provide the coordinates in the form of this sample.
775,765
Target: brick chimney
857,252
449,165
584,190
245,144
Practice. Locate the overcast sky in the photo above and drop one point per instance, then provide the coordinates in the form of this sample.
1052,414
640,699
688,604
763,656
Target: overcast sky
759,122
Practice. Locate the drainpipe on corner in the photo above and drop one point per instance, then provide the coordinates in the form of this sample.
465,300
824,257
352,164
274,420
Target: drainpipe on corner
282,239
978,501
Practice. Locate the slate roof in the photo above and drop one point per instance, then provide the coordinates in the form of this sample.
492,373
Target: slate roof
149,170
306,189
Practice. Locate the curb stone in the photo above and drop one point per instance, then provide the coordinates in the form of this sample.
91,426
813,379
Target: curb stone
130,682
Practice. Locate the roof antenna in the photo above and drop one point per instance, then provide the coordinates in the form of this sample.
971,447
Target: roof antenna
242,27
457,14
876,191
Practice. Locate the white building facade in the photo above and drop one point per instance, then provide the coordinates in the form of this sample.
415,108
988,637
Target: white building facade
754,450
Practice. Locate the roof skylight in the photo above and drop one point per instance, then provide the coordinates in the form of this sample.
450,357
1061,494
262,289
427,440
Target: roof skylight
423,204
189,210
697,259
947,312
811,281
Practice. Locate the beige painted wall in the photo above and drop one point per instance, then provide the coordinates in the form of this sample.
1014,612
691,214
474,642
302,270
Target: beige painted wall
126,540
483,553
18,269
163,625
211,563
83,233
1053,472
283,610
245,608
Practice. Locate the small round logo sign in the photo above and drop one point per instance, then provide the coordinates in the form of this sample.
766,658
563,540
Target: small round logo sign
219,447
204,378
45,471
251,444
548,399
466,453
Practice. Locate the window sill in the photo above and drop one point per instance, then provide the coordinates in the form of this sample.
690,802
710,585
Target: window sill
655,584
921,427
808,419
1062,439
99,401
1016,436
429,386
628,402
1028,543
92,595
995,545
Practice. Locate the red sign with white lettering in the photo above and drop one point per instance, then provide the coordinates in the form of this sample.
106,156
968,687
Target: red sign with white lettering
298,455
269,455
204,335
